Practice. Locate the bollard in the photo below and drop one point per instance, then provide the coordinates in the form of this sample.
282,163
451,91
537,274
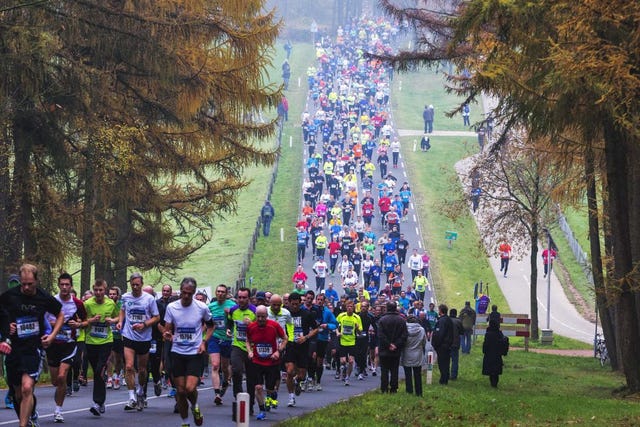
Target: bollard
290,141
415,145
299,82
282,234
429,367
242,408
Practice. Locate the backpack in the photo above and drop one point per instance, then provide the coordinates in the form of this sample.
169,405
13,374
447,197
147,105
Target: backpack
505,345
467,320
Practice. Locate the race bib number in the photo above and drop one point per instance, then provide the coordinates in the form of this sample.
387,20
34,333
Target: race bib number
241,331
64,334
185,336
27,327
297,327
220,322
347,330
99,330
136,315
154,347
264,350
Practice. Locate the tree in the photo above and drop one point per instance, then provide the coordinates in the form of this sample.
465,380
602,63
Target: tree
146,105
560,68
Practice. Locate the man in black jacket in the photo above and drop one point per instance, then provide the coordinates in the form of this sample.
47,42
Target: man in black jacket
392,336
442,339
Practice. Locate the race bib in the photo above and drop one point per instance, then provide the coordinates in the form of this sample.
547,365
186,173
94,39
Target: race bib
27,326
264,350
185,336
154,347
64,334
220,322
347,330
99,330
241,331
136,315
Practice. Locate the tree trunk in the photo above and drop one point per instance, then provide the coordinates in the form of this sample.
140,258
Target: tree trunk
88,218
623,178
596,258
533,296
121,250
5,197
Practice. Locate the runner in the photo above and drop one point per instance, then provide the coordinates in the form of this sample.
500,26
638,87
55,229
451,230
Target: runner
266,341
25,308
349,325
219,346
184,322
140,311
63,350
281,315
101,314
116,360
297,354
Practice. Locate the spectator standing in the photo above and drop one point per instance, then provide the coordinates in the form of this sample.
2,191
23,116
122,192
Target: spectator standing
427,116
413,356
266,215
458,331
392,337
442,339
468,319
494,347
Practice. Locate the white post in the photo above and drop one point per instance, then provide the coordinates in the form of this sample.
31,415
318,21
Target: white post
290,141
415,145
400,85
429,367
242,410
299,82
282,234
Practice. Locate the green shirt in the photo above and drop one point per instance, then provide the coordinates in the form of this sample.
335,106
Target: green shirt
241,319
349,326
220,318
98,333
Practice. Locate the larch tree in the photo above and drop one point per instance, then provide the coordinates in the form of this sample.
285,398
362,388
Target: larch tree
560,67
149,112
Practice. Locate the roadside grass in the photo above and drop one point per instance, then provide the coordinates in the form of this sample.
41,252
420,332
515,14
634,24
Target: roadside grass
535,389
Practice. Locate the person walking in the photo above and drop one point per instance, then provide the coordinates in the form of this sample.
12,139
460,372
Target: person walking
266,215
494,347
468,319
413,356
392,337
442,339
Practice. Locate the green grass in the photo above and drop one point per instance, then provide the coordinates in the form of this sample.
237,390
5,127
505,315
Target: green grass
535,389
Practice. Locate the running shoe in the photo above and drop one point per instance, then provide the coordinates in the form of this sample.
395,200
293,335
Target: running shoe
57,417
116,383
360,377
95,409
69,391
346,382
318,387
101,409
217,400
76,386
109,383
186,425
172,392
298,389
274,403
8,402
140,402
131,405
34,419
197,415
261,416
157,388
292,402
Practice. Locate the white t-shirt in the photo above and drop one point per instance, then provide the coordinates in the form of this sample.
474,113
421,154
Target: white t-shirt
138,310
187,325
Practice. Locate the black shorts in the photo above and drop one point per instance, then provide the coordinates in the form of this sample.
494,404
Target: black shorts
118,346
298,354
61,353
186,365
267,375
23,361
346,351
321,348
140,347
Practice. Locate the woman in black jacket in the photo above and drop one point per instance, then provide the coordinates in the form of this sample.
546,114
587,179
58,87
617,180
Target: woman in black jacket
495,346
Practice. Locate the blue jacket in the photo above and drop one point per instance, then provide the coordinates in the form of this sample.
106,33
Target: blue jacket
330,320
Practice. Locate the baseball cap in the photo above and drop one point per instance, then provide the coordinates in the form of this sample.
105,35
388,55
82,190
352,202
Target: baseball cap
261,295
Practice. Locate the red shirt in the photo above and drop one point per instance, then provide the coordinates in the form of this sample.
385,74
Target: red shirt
264,342
299,275
334,247
505,250
384,203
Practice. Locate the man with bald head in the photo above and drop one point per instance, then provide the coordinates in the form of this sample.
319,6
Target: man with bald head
282,316
266,341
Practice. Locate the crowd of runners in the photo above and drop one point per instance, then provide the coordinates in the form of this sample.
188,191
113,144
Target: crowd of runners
351,228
